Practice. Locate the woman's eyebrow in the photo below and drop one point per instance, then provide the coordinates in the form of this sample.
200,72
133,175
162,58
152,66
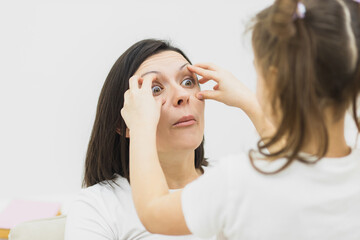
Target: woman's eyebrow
157,72
188,70
183,66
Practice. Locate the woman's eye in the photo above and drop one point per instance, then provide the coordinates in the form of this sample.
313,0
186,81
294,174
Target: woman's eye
187,82
156,90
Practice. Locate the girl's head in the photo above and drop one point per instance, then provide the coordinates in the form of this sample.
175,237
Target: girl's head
108,150
307,65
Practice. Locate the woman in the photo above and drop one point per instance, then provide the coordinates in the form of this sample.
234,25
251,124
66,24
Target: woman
104,210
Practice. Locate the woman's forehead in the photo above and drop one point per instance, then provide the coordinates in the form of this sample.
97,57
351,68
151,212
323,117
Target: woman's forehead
163,61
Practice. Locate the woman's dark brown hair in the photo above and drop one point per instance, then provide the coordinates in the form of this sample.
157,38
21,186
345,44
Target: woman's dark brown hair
317,66
108,151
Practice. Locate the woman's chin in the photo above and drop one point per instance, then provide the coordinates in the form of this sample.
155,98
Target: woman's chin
188,146
180,144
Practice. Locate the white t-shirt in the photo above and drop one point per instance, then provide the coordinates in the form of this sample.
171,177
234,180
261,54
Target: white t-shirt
102,212
317,201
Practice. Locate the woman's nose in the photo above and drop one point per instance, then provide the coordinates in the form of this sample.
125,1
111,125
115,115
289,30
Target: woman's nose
181,96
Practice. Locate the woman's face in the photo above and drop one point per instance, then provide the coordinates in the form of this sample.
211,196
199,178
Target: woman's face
181,124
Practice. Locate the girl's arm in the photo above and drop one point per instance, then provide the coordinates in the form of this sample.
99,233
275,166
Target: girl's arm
159,210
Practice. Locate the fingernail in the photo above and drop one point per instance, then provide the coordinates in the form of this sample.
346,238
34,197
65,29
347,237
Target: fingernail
199,96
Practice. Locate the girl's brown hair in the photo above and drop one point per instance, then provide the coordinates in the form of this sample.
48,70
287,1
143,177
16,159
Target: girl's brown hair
317,66
108,152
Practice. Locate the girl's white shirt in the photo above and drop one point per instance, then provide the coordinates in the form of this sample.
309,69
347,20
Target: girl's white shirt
304,201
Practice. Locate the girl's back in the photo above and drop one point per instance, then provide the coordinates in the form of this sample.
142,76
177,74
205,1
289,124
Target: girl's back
316,201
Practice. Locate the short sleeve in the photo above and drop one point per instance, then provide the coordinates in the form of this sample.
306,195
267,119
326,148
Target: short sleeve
86,219
204,201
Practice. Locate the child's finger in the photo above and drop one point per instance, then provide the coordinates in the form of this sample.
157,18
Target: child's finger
203,72
207,66
203,80
208,94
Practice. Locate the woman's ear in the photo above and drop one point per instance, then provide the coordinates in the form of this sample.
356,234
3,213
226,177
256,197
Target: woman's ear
127,132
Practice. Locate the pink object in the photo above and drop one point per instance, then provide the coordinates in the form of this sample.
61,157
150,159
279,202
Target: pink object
19,211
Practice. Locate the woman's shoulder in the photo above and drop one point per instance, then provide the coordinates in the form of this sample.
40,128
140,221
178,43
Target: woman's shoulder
93,209
104,192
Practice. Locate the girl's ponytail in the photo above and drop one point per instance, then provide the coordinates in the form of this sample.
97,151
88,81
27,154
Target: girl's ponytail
354,8
281,19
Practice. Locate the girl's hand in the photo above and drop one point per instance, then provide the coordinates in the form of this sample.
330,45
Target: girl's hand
141,111
228,89
232,92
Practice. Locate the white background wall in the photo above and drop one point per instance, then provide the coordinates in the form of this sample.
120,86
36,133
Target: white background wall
55,56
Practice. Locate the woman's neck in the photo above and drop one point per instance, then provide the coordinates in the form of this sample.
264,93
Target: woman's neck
179,168
337,144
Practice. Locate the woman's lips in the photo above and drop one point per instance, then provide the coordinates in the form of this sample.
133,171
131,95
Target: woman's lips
185,121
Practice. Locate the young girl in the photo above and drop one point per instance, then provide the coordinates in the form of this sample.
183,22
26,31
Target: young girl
307,61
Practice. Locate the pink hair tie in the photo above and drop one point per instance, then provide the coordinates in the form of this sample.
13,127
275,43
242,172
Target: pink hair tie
301,11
